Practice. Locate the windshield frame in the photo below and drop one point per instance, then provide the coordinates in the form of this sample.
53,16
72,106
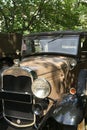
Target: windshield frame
53,38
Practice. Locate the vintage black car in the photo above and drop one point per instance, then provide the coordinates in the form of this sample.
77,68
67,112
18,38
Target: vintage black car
47,88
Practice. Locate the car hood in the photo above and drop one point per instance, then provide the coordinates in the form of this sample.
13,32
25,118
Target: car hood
45,64
53,68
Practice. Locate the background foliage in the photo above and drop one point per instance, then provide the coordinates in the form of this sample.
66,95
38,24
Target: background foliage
26,16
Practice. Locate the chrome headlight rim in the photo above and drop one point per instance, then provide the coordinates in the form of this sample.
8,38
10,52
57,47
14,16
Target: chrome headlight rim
41,88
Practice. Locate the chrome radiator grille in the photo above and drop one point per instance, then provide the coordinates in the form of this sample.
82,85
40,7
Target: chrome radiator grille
16,95
17,84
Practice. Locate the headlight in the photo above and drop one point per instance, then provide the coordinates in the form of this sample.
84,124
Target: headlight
41,88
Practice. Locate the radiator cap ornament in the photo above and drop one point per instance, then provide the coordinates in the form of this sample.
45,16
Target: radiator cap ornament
17,62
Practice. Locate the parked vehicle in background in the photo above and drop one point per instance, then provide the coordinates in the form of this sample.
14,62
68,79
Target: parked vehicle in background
47,89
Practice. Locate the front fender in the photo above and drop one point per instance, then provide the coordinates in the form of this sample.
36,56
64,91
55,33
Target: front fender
70,111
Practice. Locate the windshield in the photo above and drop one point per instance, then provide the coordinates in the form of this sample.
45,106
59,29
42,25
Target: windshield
61,44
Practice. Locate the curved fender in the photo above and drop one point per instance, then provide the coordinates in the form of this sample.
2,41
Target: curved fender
70,111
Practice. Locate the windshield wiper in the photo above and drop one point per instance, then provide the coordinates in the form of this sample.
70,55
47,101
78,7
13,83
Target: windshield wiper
59,36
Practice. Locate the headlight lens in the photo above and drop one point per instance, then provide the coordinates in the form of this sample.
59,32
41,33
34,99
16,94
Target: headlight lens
41,88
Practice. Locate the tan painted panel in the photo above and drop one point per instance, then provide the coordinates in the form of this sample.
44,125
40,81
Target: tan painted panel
53,68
